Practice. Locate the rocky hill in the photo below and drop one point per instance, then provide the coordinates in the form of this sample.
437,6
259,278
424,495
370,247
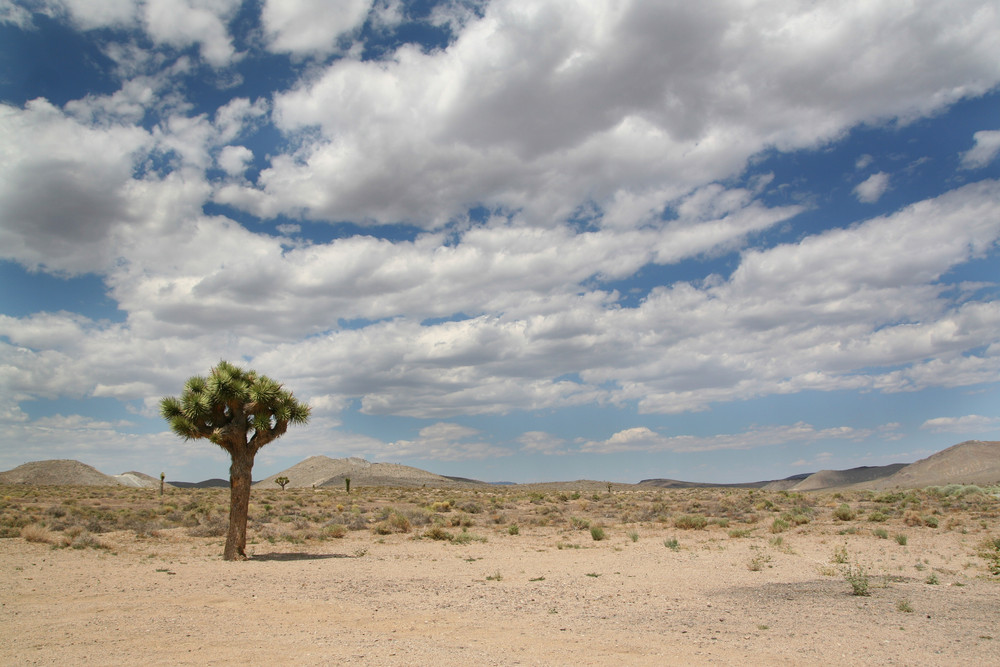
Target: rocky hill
829,479
319,471
969,462
57,472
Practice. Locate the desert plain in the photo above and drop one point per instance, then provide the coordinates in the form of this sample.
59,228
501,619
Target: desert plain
575,573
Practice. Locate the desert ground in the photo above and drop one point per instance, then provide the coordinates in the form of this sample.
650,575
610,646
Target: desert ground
551,575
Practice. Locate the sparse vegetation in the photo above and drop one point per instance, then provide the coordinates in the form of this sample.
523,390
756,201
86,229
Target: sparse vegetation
990,551
691,522
858,578
844,513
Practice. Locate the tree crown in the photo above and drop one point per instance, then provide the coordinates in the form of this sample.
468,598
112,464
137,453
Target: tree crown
234,408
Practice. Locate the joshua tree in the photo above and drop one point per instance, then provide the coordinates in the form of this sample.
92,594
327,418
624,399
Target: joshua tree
241,412
281,481
347,484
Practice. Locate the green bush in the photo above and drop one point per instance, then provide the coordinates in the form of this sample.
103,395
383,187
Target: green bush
844,513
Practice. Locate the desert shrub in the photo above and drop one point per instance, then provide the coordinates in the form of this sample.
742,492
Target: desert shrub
912,518
38,533
930,521
334,530
465,537
739,532
399,522
690,522
878,516
438,533
471,507
215,525
989,550
881,533
672,544
758,562
901,539
579,524
844,513
354,521
857,577
597,533
797,517
513,529
779,525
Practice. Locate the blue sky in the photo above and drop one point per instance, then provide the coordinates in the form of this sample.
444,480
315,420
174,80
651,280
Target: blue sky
517,241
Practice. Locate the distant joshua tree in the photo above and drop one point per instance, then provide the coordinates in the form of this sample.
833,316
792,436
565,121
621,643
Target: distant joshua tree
281,481
241,412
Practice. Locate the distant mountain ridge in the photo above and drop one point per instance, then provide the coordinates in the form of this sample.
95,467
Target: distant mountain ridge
771,485
970,462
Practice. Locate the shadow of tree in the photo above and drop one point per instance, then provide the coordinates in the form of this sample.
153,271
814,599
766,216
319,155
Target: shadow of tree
295,555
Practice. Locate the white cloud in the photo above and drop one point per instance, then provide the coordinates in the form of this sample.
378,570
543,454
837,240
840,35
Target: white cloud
863,161
182,23
234,159
313,26
541,106
539,442
111,447
64,187
15,15
642,439
872,188
984,152
444,442
965,424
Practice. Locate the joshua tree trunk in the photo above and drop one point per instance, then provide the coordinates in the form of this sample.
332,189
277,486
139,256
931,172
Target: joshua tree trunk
240,479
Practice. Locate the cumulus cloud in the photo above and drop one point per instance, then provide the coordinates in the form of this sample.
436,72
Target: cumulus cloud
182,23
642,439
234,159
541,106
872,188
445,442
964,424
314,26
111,447
984,152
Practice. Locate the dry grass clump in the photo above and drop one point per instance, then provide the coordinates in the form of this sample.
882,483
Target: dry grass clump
34,532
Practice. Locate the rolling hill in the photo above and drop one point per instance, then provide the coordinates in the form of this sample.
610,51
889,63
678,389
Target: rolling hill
320,471
969,462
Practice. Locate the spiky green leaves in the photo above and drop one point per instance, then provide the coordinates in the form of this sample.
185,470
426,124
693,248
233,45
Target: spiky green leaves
233,408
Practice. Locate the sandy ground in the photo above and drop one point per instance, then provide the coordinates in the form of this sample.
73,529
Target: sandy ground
528,599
